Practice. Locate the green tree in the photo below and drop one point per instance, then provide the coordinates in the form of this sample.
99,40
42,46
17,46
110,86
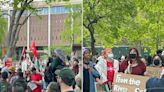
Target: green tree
132,22
103,18
19,8
73,24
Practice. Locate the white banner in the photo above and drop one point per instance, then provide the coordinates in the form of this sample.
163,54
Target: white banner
102,69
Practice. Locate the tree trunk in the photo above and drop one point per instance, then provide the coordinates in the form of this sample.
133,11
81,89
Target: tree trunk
93,50
93,44
10,52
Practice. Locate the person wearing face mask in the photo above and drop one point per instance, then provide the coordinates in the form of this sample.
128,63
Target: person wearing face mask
108,67
157,62
133,64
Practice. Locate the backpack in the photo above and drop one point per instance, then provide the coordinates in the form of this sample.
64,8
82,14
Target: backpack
5,87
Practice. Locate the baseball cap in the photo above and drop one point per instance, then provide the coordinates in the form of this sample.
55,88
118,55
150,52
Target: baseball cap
67,75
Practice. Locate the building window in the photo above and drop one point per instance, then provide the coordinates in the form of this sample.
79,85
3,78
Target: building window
59,10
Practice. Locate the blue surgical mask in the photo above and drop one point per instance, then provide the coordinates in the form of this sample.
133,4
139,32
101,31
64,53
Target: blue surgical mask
110,56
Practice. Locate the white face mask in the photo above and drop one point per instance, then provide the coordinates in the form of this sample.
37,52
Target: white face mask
110,56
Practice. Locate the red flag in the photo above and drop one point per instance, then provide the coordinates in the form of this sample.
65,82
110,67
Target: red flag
3,52
33,49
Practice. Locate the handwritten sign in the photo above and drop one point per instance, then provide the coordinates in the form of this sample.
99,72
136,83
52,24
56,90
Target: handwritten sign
101,67
154,71
129,83
32,85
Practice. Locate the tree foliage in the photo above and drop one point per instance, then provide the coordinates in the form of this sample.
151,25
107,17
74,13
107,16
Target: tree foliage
3,27
18,9
75,30
137,23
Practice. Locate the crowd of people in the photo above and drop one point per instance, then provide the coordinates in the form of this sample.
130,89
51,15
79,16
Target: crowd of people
101,71
60,74
54,74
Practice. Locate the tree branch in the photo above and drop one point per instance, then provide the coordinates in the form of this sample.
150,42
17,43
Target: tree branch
94,21
16,31
96,2
24,21
16,25
17,35
11,26
30,2
85,25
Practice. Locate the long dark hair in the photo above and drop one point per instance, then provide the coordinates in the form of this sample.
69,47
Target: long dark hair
137,56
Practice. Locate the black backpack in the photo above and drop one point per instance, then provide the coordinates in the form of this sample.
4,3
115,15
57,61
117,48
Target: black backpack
48,75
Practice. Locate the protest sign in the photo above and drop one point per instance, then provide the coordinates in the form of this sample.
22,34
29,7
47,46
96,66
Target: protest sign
129,83
32,85
154,71
101,67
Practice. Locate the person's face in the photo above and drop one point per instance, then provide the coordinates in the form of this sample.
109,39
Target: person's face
87,54
75,63
133,54
122,58
109,54
59,80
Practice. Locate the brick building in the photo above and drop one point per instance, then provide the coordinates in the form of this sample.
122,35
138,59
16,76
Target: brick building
46,29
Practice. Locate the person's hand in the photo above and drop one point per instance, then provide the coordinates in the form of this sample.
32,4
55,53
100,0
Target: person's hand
129,64
127,71
146,74
99,81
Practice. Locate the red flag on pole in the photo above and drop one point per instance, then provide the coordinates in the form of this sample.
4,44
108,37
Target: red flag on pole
33,49
3,52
